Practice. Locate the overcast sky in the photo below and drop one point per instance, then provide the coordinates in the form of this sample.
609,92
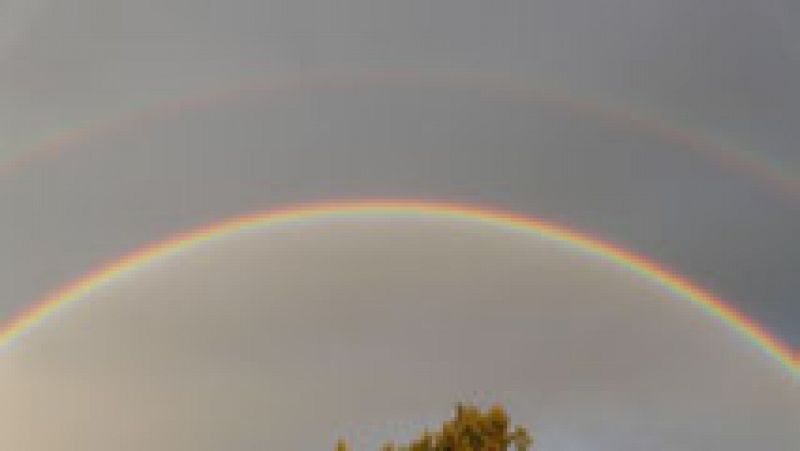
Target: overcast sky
382,99
370,329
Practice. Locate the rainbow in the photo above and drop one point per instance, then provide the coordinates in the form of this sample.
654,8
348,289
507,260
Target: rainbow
148,255
777,176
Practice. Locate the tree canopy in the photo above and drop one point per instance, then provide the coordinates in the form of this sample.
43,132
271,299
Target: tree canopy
469,430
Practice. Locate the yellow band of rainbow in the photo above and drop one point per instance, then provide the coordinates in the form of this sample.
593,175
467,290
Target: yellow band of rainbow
636,264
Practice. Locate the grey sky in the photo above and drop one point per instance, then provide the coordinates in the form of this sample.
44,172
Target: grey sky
103,197
372,328
723,69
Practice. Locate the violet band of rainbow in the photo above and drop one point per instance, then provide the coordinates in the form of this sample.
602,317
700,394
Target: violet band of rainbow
683,288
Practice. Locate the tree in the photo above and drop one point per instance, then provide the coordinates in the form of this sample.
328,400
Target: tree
469,430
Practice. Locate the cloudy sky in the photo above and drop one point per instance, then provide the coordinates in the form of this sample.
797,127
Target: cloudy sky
369,328
667,127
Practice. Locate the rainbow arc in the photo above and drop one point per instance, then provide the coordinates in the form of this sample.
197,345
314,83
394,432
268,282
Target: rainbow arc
678,285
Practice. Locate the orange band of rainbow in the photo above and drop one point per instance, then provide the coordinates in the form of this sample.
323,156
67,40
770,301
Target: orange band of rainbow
639,265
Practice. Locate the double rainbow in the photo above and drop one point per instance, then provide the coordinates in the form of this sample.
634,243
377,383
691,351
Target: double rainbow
148,255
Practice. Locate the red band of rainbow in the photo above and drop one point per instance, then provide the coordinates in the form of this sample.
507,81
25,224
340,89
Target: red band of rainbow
136,260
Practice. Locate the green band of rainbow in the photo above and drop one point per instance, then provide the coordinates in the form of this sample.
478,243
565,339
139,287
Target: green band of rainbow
636,264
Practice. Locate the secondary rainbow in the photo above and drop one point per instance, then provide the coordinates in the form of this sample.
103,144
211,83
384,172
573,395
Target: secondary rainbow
148,255
781,177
